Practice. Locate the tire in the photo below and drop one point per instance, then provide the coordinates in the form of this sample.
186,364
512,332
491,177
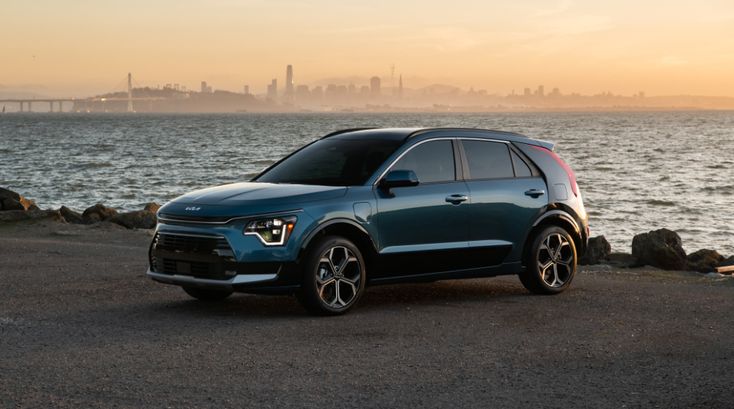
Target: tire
208,295
333,276
550,263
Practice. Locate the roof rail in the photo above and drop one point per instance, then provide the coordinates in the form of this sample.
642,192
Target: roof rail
422,130
346,131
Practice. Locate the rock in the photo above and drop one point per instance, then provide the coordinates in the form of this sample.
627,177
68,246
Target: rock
727,262
139,219
71,216
704,260
10,200
659,248
624,260
19,215
152,207
12,204
8,194
597,251
98,213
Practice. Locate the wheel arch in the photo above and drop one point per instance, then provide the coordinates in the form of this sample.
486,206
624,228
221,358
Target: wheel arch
557,218
349,229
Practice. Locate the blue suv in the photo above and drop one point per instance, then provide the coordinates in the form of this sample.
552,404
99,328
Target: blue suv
370,206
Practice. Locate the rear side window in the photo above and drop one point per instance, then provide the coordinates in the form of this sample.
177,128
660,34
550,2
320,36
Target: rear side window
522,170
431,161
488,160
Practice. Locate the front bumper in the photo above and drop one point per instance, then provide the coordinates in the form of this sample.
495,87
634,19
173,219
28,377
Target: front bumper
238,281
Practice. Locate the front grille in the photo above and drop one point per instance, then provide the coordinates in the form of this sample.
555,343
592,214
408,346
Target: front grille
198,256
190,244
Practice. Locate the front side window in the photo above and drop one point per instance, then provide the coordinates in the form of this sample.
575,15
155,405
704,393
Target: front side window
488,160
332,162
431,161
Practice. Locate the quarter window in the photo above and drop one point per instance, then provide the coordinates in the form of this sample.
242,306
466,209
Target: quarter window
488,160
431,161
522,170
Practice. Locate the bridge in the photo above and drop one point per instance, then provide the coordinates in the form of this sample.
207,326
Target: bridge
26,104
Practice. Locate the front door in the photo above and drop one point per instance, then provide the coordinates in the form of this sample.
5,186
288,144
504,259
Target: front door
422,228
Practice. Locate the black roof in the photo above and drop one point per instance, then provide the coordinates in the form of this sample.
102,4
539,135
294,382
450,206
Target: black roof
402,134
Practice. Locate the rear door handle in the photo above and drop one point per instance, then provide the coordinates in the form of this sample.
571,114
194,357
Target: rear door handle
535,193
456,199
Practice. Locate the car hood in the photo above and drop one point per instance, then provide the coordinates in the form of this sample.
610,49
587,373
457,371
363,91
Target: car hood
239,199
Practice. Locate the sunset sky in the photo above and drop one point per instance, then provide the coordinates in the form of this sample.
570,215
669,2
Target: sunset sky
81,47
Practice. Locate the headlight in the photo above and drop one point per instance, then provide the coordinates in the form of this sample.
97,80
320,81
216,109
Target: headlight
272,231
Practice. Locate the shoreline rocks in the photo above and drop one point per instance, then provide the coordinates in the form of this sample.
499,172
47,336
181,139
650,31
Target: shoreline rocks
14,208
660,248
704,260
598,250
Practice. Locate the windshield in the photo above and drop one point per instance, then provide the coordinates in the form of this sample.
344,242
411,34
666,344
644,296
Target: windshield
332,162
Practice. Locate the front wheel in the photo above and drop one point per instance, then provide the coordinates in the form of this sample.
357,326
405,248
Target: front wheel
550,263
333,277
205,294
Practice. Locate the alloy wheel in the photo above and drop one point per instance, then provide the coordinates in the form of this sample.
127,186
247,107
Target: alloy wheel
338,276
555,260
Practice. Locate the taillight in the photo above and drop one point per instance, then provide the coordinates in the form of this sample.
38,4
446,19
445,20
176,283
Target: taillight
564,165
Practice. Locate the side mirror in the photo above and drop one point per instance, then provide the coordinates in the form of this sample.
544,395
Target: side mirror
398,178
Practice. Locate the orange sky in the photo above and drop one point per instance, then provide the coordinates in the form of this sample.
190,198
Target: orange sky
79,47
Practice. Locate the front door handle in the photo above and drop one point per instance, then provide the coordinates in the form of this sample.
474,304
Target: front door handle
456,199
535,193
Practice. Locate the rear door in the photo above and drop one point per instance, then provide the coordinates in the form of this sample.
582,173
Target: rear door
507,195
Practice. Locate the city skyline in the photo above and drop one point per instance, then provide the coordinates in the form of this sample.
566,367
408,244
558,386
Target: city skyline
368,95
77,47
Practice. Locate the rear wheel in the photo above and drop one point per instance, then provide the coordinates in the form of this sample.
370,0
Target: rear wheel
333,277
550,263
206,294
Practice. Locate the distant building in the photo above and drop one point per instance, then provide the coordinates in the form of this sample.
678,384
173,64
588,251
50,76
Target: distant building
289,82
302,92
526,92
400,86
375,86
364,90
205,89
273,89
246,90
541,91
317,92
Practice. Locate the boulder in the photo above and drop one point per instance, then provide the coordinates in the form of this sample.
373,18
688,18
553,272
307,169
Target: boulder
659,248
98,213
10,200
71,216
152,207
597,251
726,262
19,215
623,260
12,204
704,260
139,219
8,194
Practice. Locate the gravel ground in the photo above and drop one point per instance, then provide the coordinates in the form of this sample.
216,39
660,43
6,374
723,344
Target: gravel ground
81,326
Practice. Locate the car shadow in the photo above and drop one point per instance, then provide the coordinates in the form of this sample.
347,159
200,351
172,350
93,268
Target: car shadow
393,296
